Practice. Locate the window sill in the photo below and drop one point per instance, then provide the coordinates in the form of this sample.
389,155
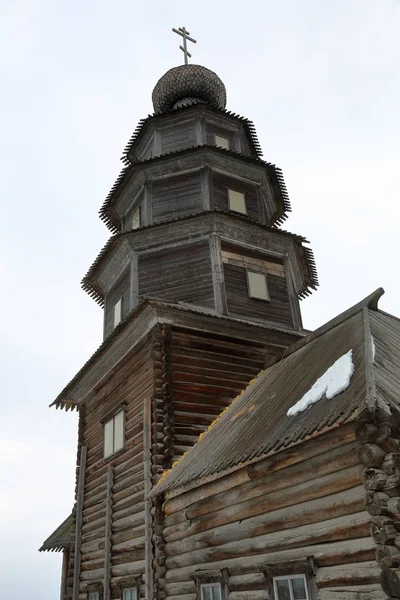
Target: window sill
114,455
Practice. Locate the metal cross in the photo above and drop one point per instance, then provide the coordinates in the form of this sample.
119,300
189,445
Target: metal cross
185,34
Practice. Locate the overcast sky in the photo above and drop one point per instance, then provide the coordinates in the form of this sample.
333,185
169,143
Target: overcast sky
321,82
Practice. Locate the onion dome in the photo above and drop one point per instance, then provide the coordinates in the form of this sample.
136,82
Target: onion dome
187,85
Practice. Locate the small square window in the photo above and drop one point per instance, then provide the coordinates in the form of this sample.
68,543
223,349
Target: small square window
237,201
114,434
291,587
135,221
257,285
130,594
117,312
211,591
221,141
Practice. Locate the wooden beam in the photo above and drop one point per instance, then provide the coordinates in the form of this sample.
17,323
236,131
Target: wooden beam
108,532
78,534
147,503
134,282
221,305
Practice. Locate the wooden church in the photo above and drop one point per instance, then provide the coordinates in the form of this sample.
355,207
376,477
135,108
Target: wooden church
203,336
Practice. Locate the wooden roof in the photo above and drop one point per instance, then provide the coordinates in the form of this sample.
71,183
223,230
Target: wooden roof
256,423
61,538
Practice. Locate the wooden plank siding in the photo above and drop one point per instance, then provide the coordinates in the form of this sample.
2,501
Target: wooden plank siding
207,373
175,274
178,136
236,261
276,511
176,197
222,182
130,387
120,290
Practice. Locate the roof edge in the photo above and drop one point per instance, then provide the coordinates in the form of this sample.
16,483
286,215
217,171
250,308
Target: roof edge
369,302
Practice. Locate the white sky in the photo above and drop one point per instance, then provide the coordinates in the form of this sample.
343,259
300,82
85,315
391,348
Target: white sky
321,82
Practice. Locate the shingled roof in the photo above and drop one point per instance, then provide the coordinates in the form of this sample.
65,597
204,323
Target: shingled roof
256,423
61,538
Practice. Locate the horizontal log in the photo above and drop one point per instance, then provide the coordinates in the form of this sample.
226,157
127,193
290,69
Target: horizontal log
131,533
376,503
316,488
355,574
358,592
382,530
347,527
126,570
250,595
387,556
129,546
306,513
125,522
92,575
319,466
366,432
92,546
328,554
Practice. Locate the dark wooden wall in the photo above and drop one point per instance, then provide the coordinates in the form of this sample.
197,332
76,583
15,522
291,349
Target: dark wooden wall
120,290
176,197
178,137
308,503
131,386
182,273
220,185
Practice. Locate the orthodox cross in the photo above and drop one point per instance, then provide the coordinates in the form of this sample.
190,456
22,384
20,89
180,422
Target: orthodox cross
185,34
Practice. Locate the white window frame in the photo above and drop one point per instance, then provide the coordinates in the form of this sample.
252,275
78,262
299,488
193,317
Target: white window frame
213,586
251,294
289,578
117,312
114,447
94,596
131,596
219,138
239,196
136,215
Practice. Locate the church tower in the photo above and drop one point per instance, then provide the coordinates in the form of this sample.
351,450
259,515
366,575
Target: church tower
200,291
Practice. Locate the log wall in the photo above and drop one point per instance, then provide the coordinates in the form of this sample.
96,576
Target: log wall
303,502
113,528
221,183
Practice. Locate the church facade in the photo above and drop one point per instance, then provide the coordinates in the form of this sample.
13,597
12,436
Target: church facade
200,288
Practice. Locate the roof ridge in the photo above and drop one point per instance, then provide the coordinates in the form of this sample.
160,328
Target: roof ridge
369,302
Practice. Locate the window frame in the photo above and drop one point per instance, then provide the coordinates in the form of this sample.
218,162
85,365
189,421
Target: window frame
222,137
268,299
137,211
107,419
211,578
115,312
302,567
235,191
133,588
215,584
290,578
95,588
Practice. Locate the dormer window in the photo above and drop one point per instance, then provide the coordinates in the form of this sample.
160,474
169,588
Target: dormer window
135,219
221,141
114,434
237,201
117,312
257,285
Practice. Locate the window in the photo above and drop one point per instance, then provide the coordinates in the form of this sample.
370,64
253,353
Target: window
114,434
117,312
135,221
129,594
257,285
291,587
211,591
237,201
94,596
221,141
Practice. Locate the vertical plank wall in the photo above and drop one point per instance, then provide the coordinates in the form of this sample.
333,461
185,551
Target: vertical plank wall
294,505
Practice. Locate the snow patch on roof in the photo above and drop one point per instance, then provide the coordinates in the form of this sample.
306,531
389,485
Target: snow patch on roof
373,348
333,382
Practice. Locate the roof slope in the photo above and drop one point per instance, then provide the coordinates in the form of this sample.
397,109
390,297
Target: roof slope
256,423
61,538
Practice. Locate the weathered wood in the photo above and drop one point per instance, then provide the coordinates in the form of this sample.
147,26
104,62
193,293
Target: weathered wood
366,432
382,530
393,507
390,581
391,463
354,574
78,531
107,542
374,479
371,455
387,556
376,503
148,562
